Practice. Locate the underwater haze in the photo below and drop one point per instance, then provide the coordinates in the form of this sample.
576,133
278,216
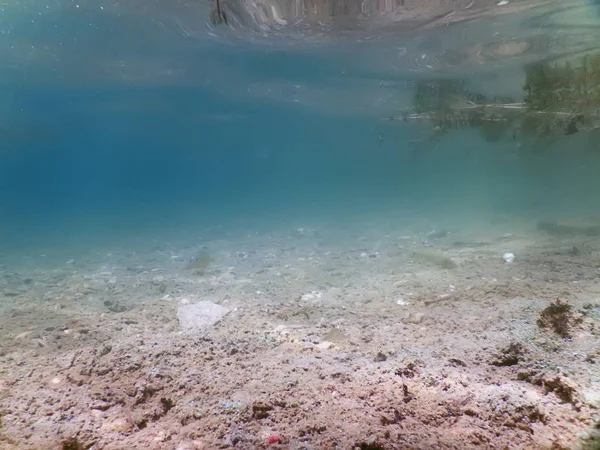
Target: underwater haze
309,224
118,121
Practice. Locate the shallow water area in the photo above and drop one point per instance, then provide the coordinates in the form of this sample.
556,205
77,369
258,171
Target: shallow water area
295,230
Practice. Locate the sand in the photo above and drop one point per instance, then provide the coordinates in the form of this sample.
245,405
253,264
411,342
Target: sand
386,337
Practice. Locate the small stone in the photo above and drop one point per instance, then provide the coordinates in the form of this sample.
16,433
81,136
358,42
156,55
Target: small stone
415,318
326,345
508,257
311,296
592,396
100,405
118,425
380,357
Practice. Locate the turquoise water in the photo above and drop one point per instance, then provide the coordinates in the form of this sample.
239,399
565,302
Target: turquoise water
117,119
324,224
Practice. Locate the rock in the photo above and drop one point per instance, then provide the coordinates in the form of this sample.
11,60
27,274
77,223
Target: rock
415,318
592,396
325,345
508,257
118,425
200,315
313,296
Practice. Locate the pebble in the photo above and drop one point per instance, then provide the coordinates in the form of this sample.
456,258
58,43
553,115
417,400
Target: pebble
415,318
508,257
118,425
326,345
592,396
314,295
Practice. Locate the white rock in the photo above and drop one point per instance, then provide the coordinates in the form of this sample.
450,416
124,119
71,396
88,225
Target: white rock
325,345
200,315
314,296
508,257
592,396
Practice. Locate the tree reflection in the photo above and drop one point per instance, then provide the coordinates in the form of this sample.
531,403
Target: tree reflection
559,99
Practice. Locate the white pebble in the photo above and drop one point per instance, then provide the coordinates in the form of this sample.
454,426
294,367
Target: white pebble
508,257
314,295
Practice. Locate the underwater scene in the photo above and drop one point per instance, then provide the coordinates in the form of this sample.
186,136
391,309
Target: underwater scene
307,224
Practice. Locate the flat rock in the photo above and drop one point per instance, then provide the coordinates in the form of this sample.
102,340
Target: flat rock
200,315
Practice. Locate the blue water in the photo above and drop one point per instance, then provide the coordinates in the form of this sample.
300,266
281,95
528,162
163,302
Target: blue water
284,169
115,135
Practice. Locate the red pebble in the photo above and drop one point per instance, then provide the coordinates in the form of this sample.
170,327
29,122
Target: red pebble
273,439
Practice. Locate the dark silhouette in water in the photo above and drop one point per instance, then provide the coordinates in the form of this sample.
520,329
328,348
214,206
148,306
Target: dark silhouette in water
217,15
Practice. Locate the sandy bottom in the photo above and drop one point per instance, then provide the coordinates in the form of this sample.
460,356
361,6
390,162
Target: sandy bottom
379,339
